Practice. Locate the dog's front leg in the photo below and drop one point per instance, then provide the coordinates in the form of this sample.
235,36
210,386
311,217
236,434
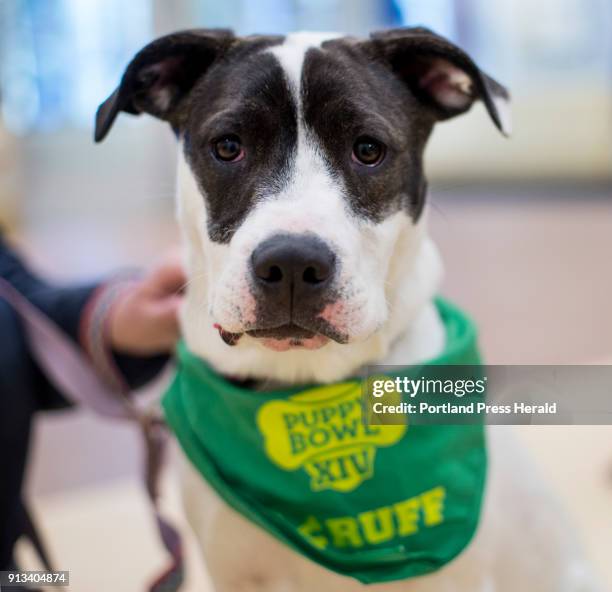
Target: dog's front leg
239,556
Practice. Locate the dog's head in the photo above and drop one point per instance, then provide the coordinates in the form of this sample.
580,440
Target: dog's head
301,184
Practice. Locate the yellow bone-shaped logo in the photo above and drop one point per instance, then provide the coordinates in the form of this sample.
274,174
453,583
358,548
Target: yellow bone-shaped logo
321,430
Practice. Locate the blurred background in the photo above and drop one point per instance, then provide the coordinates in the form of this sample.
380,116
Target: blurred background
524,225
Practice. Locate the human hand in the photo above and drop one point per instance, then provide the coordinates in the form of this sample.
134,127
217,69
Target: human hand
144,319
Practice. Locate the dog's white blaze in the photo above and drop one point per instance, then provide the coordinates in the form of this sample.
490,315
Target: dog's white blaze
319,205
292,52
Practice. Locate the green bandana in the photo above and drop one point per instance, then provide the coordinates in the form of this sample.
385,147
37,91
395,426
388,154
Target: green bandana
377,503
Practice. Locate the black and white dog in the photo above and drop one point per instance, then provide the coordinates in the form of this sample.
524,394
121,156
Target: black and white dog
301,196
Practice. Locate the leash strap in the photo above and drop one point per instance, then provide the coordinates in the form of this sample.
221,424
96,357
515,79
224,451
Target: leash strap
69,370
31,532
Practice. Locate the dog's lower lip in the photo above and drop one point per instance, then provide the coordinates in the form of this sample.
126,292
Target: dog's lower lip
228,337
288,331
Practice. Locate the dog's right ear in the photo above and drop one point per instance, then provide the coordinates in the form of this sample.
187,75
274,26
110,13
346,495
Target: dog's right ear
161,74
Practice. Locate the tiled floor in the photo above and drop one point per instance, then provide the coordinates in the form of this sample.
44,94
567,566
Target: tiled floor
532,265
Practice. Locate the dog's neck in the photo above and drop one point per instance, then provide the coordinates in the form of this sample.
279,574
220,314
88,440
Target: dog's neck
412,333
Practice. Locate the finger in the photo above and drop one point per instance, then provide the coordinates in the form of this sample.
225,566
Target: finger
166,320
167,311
169,277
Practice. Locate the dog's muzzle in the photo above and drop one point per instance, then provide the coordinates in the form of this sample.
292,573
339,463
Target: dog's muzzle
292,280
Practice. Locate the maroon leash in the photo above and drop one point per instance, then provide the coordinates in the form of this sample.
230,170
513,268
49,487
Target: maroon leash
69,370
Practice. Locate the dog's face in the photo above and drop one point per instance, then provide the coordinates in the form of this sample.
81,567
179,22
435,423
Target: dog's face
301,178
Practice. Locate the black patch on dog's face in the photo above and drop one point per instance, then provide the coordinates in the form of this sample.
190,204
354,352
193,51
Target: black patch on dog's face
246,95
347,95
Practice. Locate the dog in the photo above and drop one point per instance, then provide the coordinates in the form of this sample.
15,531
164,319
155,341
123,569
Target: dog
302,202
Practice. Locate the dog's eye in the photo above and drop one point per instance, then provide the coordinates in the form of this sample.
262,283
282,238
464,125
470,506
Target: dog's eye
228,149
368,151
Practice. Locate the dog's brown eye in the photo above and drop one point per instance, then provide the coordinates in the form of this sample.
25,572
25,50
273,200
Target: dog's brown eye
368,151
228,149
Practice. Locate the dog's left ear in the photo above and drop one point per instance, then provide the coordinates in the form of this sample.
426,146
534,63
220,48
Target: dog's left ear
161,74
440,74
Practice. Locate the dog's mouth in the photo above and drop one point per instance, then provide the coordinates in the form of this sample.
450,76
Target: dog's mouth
289,336
288,331
285,337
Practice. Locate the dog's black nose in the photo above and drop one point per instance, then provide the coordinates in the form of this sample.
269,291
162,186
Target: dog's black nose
293,264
